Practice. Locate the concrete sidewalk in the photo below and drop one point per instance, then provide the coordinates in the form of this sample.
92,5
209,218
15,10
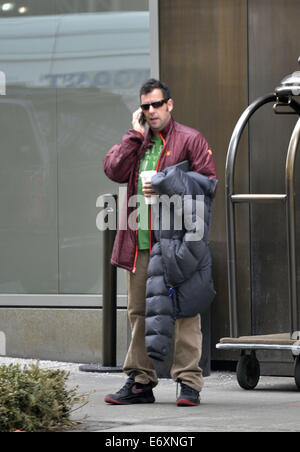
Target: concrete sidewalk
274,406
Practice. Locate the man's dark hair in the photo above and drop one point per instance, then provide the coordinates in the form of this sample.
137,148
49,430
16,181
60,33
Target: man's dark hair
152,84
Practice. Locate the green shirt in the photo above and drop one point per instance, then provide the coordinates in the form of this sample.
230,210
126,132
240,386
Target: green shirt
148,163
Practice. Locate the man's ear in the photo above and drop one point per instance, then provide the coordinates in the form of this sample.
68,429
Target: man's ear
170,105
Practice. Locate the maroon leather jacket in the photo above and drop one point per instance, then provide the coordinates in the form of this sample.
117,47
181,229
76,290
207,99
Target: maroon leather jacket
121,164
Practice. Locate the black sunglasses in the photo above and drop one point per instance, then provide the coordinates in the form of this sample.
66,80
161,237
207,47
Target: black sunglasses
155,104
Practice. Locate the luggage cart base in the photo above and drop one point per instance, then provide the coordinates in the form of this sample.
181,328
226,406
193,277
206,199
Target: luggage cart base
248,368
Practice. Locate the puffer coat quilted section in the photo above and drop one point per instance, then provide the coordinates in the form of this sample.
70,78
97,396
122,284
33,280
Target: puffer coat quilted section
179,282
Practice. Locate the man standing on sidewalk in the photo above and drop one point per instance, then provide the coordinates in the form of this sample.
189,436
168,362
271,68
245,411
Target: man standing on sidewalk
163,144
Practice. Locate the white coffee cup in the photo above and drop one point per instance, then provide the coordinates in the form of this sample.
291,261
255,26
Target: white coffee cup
146,176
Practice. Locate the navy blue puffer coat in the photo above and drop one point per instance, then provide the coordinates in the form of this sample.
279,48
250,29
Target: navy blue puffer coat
179,280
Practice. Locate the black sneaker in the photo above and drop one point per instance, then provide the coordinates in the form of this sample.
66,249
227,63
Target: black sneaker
131,392
188,396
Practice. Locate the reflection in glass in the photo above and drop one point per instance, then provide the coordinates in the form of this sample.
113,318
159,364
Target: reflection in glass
73,71
50,7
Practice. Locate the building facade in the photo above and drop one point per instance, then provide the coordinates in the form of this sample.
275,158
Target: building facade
73,70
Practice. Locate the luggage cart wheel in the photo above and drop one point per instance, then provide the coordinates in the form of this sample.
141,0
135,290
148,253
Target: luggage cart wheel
297,372
248,371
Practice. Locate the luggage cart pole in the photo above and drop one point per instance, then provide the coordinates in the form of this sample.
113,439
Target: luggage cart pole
291,226
230,206
248,368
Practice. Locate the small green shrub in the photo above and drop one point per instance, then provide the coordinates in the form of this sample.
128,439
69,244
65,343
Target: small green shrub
35,400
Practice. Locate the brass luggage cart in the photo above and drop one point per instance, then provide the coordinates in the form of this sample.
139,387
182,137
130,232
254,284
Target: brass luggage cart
248,369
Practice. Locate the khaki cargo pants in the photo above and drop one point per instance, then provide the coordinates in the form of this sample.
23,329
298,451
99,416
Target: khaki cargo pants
187,337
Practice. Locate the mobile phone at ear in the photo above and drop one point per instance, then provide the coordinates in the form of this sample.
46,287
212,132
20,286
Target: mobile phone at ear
142,119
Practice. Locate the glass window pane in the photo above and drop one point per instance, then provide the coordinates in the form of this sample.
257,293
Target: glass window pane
28,171
73,69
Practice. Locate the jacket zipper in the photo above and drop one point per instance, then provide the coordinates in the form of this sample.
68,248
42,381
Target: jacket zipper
163,149
136,253
149,214
150,232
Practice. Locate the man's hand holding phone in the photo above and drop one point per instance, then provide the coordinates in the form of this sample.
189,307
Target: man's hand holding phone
138,121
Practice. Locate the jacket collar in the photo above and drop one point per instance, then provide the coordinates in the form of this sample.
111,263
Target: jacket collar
168,128
164,132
